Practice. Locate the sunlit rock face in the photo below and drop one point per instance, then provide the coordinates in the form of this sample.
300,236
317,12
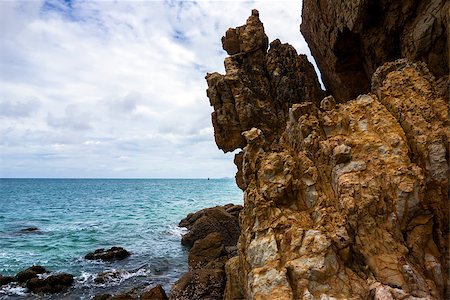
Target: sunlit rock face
342,200
351,39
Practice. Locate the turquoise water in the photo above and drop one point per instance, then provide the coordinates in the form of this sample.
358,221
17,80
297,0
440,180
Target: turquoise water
76,216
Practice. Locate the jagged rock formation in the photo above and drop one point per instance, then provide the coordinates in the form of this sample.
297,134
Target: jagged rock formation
343,201
259,86
350,39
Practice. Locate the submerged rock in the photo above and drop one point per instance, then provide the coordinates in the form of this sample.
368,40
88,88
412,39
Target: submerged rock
29,229
114,253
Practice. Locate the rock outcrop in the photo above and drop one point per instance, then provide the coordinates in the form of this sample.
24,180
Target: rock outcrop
351,39
341,201
259,85
212,238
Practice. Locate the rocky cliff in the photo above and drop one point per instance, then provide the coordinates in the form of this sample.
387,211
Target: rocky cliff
351,39
344,200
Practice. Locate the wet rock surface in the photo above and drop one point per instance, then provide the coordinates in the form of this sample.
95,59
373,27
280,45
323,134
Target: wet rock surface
341,201
52,284
31,272
113,253
212,238
351,39
6,279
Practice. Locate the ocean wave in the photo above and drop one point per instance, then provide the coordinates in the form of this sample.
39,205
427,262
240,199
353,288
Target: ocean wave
110,277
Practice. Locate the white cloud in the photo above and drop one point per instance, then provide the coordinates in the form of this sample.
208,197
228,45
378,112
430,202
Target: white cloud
116,88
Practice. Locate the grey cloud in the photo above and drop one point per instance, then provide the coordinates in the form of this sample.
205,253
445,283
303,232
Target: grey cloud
16,109
72,119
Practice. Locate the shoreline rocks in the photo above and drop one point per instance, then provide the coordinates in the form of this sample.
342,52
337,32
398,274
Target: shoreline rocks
35,279
212,238
52,284
31,272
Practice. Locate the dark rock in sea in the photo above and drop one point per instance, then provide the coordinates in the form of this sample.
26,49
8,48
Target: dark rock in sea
6,279
209,220
30,273
114,253
199,284
155,293
29,229
52,284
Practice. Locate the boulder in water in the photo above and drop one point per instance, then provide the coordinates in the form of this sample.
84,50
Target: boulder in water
114,253
30,273
52,284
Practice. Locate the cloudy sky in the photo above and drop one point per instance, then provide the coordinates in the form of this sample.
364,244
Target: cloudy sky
116,88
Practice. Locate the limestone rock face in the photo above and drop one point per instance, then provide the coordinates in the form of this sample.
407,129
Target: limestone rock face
259,85
350,39
341,201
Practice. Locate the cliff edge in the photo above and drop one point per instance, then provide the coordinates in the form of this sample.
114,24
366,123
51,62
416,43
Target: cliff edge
341,200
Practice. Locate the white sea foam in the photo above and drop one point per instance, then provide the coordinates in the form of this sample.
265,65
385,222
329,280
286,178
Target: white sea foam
177,231
110,277
12,290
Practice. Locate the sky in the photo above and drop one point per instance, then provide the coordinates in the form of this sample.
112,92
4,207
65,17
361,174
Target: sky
116,89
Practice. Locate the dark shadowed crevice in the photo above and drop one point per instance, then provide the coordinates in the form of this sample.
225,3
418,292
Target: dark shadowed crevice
349,63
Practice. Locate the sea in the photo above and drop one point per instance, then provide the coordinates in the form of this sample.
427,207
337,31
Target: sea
77,216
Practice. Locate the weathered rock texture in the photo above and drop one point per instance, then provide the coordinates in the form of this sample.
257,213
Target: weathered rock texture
259,85
213,235
342,201
350,39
